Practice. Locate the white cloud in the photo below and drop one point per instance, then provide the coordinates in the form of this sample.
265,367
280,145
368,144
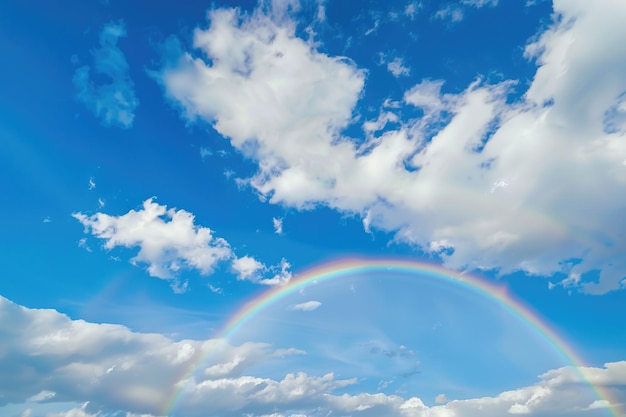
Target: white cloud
306,306
75,412
412,9
114,368
278,225
42,396
451,12
82,243
281,272
168,239
114,103
92,183
455,11
247,267
397,67
379,124
559,149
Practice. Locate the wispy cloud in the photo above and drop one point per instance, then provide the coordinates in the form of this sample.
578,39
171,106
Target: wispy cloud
114,103
278,225
306,306
397,67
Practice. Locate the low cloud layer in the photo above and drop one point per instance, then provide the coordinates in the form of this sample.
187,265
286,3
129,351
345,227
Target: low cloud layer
480,182
52,359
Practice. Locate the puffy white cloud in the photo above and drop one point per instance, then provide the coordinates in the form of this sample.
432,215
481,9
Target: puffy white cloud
49,357
169,240
281,272
247,267
306,306
114,103
271,93
561,391
560,149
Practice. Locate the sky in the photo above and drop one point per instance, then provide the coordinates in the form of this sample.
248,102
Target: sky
289,208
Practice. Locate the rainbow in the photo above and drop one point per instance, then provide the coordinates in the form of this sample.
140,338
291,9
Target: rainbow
352,266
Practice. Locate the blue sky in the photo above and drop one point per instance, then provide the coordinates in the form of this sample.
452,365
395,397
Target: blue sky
165,163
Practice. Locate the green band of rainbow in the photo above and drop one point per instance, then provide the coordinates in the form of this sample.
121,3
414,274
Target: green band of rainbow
353,266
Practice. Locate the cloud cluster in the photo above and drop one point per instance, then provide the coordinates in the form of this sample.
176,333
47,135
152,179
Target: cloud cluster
169,240
51,358
114,102
533,185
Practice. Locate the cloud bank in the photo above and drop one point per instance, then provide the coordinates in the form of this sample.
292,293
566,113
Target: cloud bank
478,181
50,358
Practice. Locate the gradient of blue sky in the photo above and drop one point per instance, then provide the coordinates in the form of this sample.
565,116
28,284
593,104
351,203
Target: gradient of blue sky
163,163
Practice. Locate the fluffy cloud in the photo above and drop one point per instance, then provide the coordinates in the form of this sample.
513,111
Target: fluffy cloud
114,103
306,306
169,240
50,357
247,267
397,67
529,185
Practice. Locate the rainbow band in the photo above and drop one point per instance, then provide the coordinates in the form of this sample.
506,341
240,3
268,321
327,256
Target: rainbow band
350,267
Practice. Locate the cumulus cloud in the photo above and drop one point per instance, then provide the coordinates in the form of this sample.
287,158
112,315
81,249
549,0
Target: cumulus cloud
114,102
169,241
49,357
247,267
168,238
560,149
281,274
306,306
